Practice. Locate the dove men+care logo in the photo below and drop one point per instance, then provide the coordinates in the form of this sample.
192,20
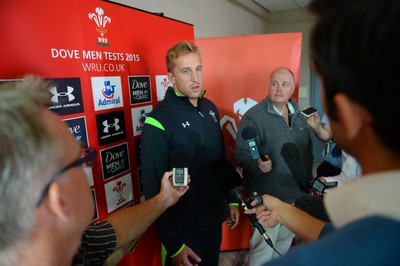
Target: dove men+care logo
66,96
77,126
139,88
110,127
115,160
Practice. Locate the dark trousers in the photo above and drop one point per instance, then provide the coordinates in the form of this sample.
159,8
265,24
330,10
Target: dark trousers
205,244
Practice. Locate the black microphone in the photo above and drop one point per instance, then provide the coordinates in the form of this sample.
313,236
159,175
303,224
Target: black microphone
293,157
230,182
249,134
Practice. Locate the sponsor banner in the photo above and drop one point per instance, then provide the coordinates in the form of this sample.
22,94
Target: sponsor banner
107,93
102,58
77,126
118,192
110,127
66,96
139,89
162,84
114,160
139,115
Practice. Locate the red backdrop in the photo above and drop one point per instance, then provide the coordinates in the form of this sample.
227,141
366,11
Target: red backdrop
236,73
107,63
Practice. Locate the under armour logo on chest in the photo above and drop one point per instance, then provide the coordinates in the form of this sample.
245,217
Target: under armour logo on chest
186,124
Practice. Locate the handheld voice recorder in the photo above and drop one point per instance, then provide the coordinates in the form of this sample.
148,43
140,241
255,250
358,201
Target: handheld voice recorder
180,176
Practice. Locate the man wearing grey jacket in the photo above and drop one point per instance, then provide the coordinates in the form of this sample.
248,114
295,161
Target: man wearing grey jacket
277,120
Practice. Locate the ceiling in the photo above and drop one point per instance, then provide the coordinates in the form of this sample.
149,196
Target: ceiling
282,5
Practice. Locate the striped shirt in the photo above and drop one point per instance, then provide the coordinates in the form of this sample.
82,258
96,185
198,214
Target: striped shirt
98,242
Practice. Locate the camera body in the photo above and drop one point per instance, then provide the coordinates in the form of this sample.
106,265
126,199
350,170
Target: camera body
179,176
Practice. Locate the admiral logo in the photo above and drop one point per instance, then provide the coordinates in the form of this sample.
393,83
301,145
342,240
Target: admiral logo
101,22
107,92
162,84
110,127
66,96
139,87
77,126
138,117
115,160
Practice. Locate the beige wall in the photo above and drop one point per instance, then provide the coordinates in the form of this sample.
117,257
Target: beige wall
218,18
298,20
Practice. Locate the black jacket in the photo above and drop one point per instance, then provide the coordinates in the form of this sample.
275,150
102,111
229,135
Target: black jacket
177,134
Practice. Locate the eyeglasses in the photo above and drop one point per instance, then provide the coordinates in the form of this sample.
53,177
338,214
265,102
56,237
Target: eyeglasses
87,159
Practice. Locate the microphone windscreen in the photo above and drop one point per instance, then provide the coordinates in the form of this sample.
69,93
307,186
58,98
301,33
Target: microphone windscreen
227,177
293,157
313,205
249,133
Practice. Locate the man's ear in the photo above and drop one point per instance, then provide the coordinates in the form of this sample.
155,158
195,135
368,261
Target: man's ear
352,115
171,78
56,201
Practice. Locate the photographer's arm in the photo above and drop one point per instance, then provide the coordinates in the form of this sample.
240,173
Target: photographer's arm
274,211
130,223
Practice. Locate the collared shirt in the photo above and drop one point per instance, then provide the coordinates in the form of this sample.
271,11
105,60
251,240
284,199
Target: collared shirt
373,194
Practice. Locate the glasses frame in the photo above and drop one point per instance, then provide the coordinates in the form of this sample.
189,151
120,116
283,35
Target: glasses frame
88,156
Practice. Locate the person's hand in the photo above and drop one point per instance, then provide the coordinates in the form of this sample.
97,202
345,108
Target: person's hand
268,212
316,192
314,121
173,193
266,166
233,218
186,258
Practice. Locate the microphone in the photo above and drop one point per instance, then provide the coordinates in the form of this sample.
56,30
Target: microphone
293,157
249,134
230,182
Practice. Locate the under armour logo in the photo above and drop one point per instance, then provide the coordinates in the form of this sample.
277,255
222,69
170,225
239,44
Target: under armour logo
114,125
186,124
57,94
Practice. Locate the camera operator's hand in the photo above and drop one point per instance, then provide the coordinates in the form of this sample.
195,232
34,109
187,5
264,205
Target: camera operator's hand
274,211
268,213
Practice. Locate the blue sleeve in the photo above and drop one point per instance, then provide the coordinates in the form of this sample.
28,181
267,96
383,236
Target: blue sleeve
369,241
327,229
